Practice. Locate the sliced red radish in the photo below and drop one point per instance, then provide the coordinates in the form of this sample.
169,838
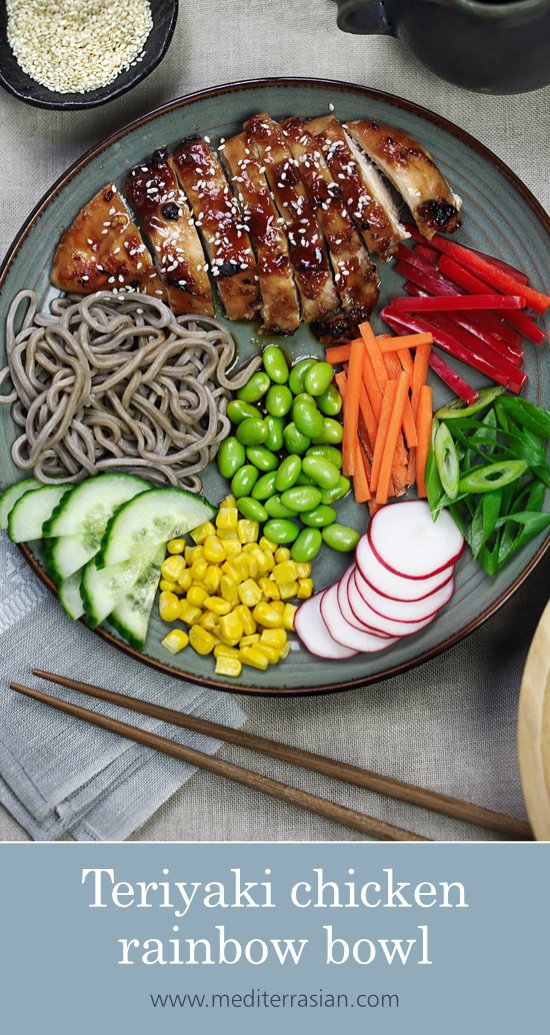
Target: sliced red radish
388,584
343,601
310,627
407,540
405,610
365,614
346,634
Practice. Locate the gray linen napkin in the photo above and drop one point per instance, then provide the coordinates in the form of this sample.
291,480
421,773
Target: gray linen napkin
58,774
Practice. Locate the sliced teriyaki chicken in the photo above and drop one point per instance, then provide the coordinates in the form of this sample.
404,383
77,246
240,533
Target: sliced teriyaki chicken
355,275
103,250
363,190
307,250
414,174
220,220
165,216
280,306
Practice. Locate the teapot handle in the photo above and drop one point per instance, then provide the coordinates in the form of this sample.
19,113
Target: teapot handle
363,16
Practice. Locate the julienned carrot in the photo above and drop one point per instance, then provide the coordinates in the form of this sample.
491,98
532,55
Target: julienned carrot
389,343
394,368
394,427
351,409
338,354
367,413
388,403
373,349
361,489
371,385
341,382
424,426
420,373
406,361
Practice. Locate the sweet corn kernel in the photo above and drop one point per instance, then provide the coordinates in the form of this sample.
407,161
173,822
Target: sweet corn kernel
279,606
266,615
217,605
230,629
227,535
172,568
288,590
284,652
185,580
271,654
227,518
211,581
249,593
305,589
241,567
209,621
248,531
198,569
169,587
266,545
263,560
304,570
188,613
229,501
175,641
288,616
251,564
286,571
269,589
196,596
214,551
250,641
228,589
221,650
245,615
169,607
176,546
230,569
201,640
228,666
276,638
282,554
198,535
254,657
188,554
232,547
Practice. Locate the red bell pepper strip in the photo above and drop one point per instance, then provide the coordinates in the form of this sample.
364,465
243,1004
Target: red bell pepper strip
474,342
483,324
456,383
506,266
474,286
430,279
450,303
494,276
427,253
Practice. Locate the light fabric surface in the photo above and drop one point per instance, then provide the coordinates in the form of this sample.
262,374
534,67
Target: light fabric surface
450,724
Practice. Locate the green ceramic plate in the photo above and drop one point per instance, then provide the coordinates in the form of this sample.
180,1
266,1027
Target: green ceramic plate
500,217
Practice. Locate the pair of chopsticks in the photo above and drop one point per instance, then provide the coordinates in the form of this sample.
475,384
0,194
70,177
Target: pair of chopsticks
513,829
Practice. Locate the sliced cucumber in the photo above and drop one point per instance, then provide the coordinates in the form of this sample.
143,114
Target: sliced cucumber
70,597
131,615
36,506
9,497
66,555
86,510
102,590
149,519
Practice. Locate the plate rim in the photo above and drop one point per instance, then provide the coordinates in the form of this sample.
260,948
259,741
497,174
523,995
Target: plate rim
532,700
242,86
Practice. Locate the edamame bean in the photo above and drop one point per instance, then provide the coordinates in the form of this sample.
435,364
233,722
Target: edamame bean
265,486
318,378
307,419
304,397
329,452
278,400
320,517
244,481
252,431
304,479
275,428
281,530
255,387
252,509
238,410
294,441
330,402
231,456
331,435
297,374
261,458
275,364
338,492
288,473
340,537
275,508
323,472
301,497
307,545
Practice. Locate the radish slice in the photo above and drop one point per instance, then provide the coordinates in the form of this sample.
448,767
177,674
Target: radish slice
346,634
365,614
344,604
405,610
388,584
410,543
310,627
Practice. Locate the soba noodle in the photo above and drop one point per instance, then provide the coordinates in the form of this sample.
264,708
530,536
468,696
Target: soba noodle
117,382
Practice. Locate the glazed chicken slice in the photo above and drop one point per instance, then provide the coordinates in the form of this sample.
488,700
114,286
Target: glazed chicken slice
220,220
355,275
165,216
103,250
413,173
307,250
368,199
280,306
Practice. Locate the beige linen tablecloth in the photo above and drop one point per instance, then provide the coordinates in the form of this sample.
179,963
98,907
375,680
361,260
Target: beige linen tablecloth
451,723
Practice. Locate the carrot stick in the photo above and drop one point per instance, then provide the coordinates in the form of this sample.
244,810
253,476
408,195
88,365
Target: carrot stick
393,366
361,489
388,402
367,414
398,405
351,409
338,354
424,424
390,343
377,359
371,385
341,382
406,361
420,373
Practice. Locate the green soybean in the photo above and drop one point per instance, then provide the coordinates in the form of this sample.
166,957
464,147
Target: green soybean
252,432
340,537
307,545
255,387
329,452
338,492
331,435
278,400
330,402
275,428
320,517
275,364
304,479
265,486
318,378
301,497
261,458
238,410
231,456
294,441
307,419
323,472
303,397
244,481
275,508
252,509
288,472
281,530
297,374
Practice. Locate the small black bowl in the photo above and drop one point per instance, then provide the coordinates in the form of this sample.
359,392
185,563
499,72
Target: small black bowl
18,83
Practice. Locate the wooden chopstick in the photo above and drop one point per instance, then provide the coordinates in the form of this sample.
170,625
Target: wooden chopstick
376,828
514,829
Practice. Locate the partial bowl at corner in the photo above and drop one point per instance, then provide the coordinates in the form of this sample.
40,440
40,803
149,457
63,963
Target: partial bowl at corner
534,730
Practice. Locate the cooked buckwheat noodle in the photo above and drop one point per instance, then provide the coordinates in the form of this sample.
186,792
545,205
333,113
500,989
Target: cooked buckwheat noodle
117,382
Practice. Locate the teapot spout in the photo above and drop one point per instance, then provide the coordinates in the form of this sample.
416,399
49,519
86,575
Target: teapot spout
366,17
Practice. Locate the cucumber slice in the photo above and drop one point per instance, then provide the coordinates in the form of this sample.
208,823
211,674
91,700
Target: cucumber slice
70,597
86,510
131,615
66,555
28,515
9,497
102,590
149,519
